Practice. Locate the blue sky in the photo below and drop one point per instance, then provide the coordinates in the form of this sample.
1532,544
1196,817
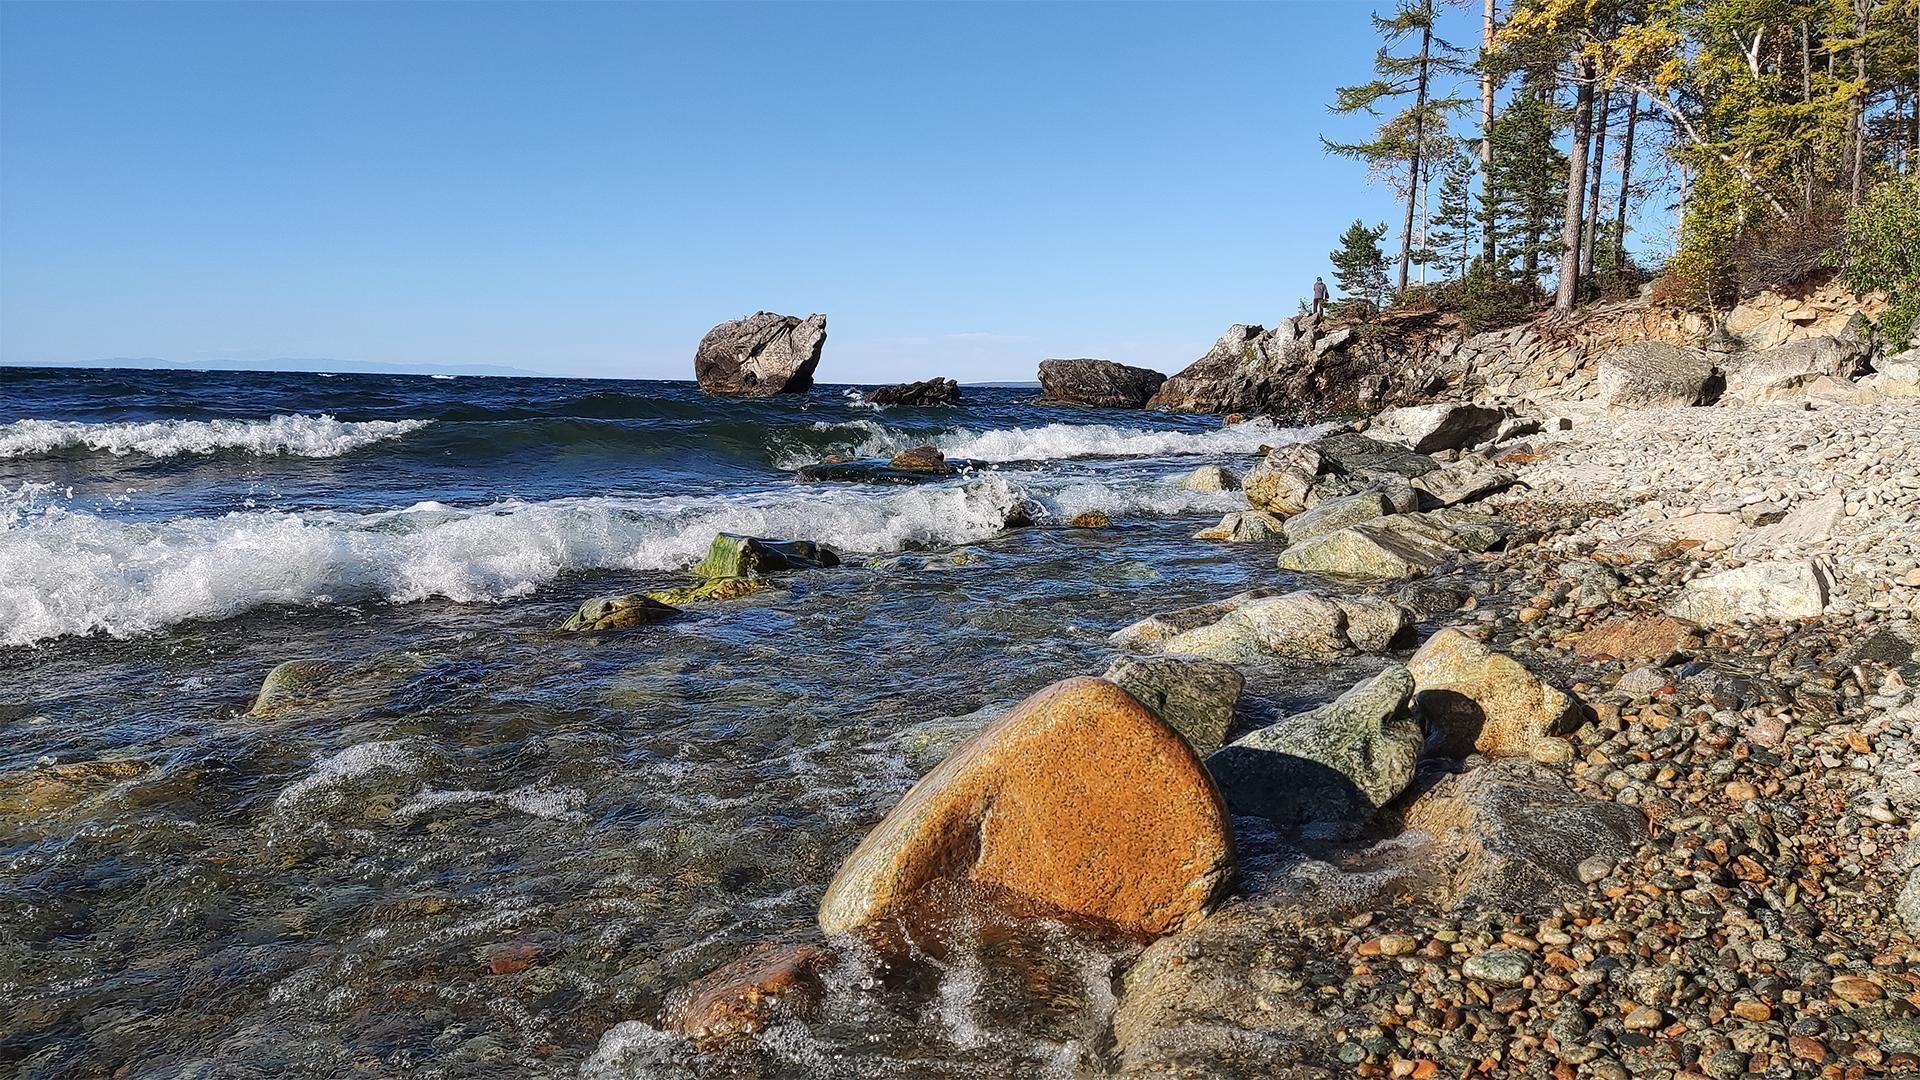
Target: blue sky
585,188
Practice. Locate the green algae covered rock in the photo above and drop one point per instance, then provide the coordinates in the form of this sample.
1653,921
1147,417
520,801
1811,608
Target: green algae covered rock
732,588
734,556
294,682
601,613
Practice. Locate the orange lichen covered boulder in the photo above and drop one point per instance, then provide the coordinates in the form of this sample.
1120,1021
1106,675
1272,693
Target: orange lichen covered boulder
1080,798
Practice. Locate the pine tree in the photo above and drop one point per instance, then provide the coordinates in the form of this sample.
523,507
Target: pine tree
1451,232
1359,265
1403,139
1526,191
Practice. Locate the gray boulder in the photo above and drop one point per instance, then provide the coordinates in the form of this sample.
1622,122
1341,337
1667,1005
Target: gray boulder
1750,374
1336,514
1283,481
1211,478
1654,374
1382,549
1244,527
1098,383
1470,478
1154,631
1339,763
1783,589
1196,697
1425,429
1250,369
761,355
1364,458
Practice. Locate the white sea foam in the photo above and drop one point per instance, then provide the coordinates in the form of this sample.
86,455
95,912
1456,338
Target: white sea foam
322,787
534,800
70,571
1058,442
293,435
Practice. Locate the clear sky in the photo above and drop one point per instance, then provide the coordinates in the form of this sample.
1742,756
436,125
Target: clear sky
584,189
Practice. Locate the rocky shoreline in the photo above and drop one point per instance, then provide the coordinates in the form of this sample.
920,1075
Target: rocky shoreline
1633,794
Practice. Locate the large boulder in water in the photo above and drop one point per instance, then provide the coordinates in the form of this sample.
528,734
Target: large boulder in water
1100,383
603,613
761,355
1080,799
733,556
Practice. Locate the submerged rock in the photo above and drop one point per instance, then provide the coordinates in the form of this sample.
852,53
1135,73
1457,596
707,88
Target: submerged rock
1080,799
1786,589
1211,478
1475,699
1338,763
927,392
879,470
1100,383
712,590
1197,697
602,613
1090,519
761,355
735,556
771,980
295,682
45,788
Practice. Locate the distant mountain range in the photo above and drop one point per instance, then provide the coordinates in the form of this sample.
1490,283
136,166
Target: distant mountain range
315,364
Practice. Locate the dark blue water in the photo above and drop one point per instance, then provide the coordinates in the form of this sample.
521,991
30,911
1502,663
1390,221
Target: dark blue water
188,889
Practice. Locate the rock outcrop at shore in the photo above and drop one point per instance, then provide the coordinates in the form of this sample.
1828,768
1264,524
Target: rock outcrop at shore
1653,374
1097,383
925,392
1250,369
761,355
1080,799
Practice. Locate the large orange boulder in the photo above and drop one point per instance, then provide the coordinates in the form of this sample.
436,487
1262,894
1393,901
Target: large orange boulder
1080,799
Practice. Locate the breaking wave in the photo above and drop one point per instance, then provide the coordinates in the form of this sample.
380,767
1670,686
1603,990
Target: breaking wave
73,572
320,436
1046,442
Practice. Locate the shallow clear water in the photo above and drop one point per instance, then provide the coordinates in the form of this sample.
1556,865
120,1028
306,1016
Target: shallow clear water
330,890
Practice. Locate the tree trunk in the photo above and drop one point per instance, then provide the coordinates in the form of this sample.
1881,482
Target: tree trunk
1806,98
1857,108
1413,157
1487,253
1599,173
1569,286
1626,186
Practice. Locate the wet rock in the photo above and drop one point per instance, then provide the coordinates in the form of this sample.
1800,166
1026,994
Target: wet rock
879,470
603,613
1100,383
1245,527
1080,799
761,355
1475,699
1299,624
1338,763
1653,374
734,556
1336,514
1198,698
1472,477
1283,480
1786,589
710,591
1425,429
1367,459
1090,519
1211,478
926,392
1382,549
513,957
44,788
921,459
1655,638
1154,631
769,981
295,682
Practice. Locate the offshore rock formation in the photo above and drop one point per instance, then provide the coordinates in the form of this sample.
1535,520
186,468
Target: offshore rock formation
761,355
1099,383
926,392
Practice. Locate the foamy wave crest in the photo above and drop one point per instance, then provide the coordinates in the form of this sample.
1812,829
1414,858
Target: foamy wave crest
293,435
1056,441
75,572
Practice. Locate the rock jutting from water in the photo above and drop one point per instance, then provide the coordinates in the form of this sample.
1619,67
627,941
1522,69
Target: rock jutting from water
761,355
1099,383
926,392
603,613
1080,799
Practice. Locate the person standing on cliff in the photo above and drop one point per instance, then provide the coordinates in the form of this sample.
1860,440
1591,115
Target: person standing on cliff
1319,297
